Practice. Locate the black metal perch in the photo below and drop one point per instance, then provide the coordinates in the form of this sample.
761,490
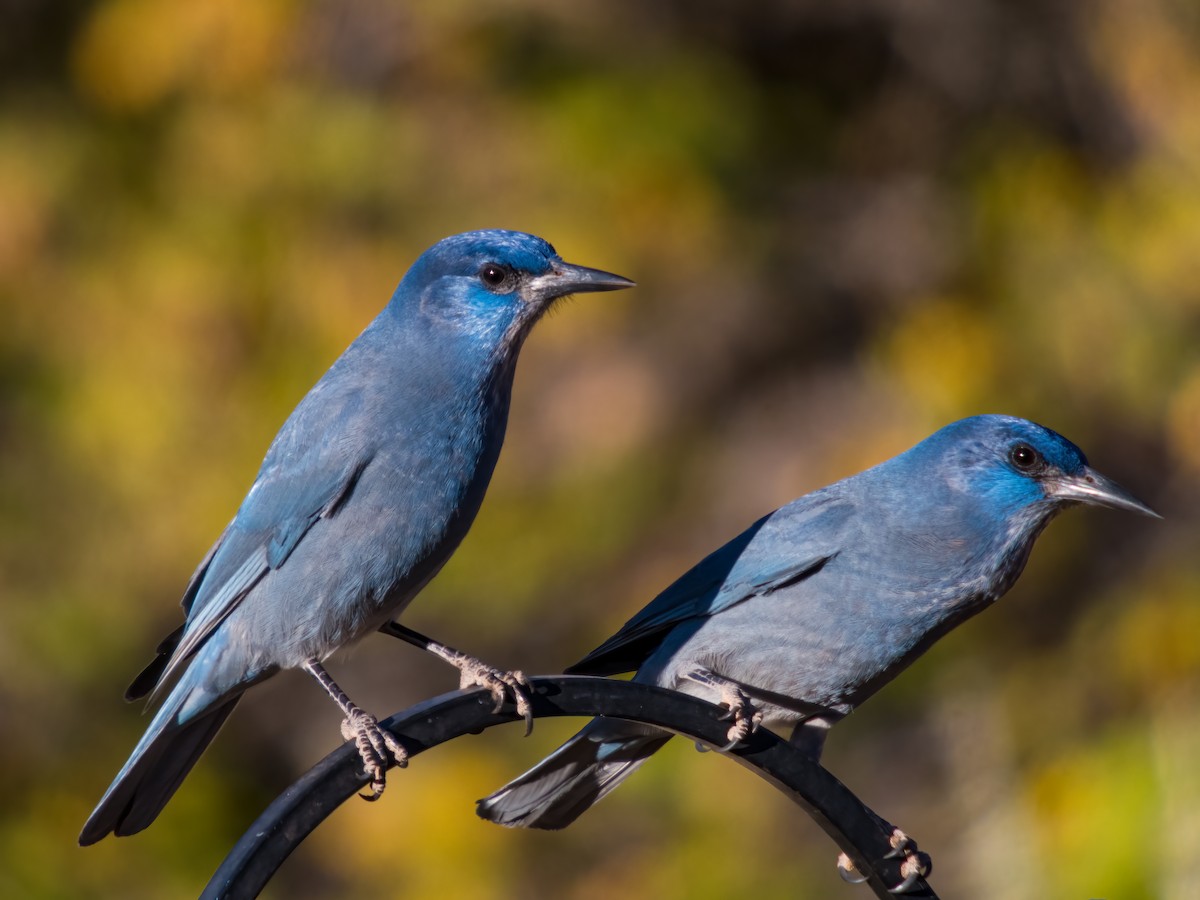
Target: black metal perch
304,805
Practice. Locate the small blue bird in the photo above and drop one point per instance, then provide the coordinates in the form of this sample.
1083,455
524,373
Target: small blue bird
816,606
368,488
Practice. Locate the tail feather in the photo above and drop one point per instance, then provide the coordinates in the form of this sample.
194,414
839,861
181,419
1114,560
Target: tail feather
156,768
560,788
147,680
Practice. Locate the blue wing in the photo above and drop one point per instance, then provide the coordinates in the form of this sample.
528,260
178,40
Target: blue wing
787,546
307,474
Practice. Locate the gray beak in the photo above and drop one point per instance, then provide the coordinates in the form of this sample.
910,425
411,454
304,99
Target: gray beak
565,278
1089,486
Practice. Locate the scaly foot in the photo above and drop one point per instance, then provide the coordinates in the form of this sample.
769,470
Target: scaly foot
746,718
916,864
374,746
473,672
476,673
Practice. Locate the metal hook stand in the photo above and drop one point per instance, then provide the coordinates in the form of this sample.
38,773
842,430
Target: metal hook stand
304,805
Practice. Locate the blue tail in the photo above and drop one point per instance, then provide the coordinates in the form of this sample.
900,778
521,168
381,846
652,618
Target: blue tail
564,785
187,722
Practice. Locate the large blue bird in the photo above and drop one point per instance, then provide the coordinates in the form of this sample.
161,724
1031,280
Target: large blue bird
368,488
818,605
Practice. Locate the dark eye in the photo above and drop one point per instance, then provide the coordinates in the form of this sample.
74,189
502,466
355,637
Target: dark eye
1024,457
495,276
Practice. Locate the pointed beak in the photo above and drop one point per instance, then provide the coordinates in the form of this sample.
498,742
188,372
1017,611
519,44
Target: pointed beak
1089,486
565,278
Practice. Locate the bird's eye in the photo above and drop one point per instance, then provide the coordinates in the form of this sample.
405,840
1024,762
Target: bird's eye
1024,457
495,276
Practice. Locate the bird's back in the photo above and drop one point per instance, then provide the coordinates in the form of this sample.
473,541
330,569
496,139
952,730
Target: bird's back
827,598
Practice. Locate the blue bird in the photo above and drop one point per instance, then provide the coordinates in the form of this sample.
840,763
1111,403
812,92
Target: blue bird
368,488
819,604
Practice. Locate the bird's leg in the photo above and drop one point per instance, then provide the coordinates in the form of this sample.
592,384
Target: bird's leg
916,864
746,718
473,672
373,742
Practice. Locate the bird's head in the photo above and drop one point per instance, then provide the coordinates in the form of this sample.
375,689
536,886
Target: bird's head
1019,465
494,284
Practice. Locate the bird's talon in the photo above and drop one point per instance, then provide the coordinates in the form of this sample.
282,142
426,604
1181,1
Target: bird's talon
901,843
906,885
848,871
375,747
376,793
746,720
742,712
399,754
916,865
524,707
502,685
738,707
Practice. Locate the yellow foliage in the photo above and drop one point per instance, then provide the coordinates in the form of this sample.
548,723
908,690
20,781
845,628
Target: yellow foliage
1183,422
135,53
944,353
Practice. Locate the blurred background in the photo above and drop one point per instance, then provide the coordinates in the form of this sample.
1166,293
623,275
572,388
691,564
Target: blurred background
850,224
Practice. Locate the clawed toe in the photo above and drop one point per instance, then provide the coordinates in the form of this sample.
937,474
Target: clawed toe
901,843
916,864
375,746
474,672
847,870
746,719
502,685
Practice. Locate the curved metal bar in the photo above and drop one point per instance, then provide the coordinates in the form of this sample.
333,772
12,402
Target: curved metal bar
304,805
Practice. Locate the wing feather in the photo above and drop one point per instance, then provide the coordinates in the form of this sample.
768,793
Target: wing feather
300,483
804,534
